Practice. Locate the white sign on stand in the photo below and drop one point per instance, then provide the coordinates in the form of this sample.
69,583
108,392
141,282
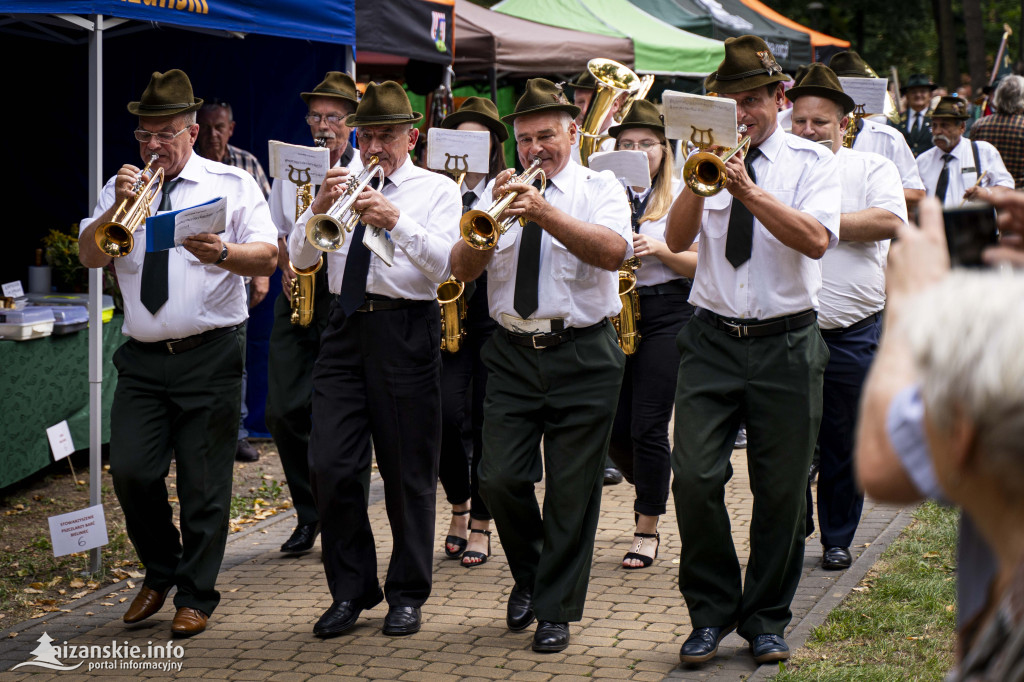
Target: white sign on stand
867,91
78,531
703,120
61,444
13,289
299,164
455,151
629,165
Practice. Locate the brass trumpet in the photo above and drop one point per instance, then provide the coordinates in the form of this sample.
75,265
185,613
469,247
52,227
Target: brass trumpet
453,312
326,231
116,238
704,172
625,322
481,229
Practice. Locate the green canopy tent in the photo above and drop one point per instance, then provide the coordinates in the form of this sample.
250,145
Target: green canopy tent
660,48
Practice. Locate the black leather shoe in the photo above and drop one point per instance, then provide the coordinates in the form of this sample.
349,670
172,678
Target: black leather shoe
702,644
302,538
769,648
343,615
520,609
550,637
612,476
402,620
245,452
836,558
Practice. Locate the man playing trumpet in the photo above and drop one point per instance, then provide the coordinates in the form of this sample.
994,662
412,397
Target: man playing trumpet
180,372
554,365
378,374
752,353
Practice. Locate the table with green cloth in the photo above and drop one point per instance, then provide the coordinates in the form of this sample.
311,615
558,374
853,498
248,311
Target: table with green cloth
43,382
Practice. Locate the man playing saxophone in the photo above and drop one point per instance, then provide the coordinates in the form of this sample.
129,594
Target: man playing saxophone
378,374
554,366
293,348
639,445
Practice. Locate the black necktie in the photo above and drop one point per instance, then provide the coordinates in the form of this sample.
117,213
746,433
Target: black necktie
739,240
917,122
638,206
468,199
943,183
528,271
153,292
357,267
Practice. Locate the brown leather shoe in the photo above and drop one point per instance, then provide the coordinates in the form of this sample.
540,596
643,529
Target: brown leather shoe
188,622
146,603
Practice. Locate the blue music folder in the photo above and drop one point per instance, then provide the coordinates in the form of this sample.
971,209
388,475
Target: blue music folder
161,229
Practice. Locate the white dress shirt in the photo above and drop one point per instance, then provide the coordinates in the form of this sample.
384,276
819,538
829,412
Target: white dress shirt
283,198
200,297
853,273
483,192
568,288
428,225
652,271
885,140
777,280
962,173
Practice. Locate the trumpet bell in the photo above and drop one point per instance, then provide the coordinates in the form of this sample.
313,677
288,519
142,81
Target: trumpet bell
114,239
325,233
704,172
479,230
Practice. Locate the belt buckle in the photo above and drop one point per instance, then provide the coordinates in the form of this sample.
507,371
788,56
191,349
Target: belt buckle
533,341
736,330
170,345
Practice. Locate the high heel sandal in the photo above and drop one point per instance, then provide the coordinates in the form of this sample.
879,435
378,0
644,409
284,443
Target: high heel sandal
456,540
642,558
477,555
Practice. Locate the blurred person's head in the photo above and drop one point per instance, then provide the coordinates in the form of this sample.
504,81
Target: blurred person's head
964,335
949,122
1009,96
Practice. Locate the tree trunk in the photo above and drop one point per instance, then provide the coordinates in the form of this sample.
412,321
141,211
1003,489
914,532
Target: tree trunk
974,31
949,73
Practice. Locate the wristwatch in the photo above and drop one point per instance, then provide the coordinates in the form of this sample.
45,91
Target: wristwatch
223,255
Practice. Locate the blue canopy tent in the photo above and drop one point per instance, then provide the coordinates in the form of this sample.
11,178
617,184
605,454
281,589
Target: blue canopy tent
154,35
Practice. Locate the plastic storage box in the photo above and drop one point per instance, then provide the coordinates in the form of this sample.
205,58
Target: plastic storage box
27,323
52,300
69,318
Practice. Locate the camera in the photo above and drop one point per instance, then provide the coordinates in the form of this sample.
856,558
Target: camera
970,229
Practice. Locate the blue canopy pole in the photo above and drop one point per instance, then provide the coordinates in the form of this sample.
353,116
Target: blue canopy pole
95,276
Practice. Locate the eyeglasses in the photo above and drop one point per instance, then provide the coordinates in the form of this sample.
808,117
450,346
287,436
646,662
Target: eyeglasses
314,119
643,145
163,138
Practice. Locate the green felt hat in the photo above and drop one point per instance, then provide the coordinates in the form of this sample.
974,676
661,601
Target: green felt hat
748,64
850,64
541,96
918,80
821,81
584,81
951,106
642,114
478,110
336,84
383,104
167,94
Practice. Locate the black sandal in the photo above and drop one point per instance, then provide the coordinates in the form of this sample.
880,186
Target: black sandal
642,558
456,540
478,555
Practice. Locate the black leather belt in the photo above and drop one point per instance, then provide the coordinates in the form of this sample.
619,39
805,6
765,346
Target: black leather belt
375,303
178,346
551,339
741,328
870,319
676,286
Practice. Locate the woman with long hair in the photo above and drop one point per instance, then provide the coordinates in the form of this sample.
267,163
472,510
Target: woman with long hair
639,445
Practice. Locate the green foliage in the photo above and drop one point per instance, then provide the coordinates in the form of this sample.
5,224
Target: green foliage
61,251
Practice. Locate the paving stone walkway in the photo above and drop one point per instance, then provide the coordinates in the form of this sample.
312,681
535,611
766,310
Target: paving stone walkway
634,624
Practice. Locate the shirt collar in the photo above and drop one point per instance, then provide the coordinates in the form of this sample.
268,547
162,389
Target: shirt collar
478,190
193,167
639,195
565,179
773,145
402,173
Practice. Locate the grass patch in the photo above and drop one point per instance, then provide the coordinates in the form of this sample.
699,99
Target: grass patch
899,623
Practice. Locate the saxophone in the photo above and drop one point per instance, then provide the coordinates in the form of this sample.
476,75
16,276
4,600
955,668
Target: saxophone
453,313
625,322
303,287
